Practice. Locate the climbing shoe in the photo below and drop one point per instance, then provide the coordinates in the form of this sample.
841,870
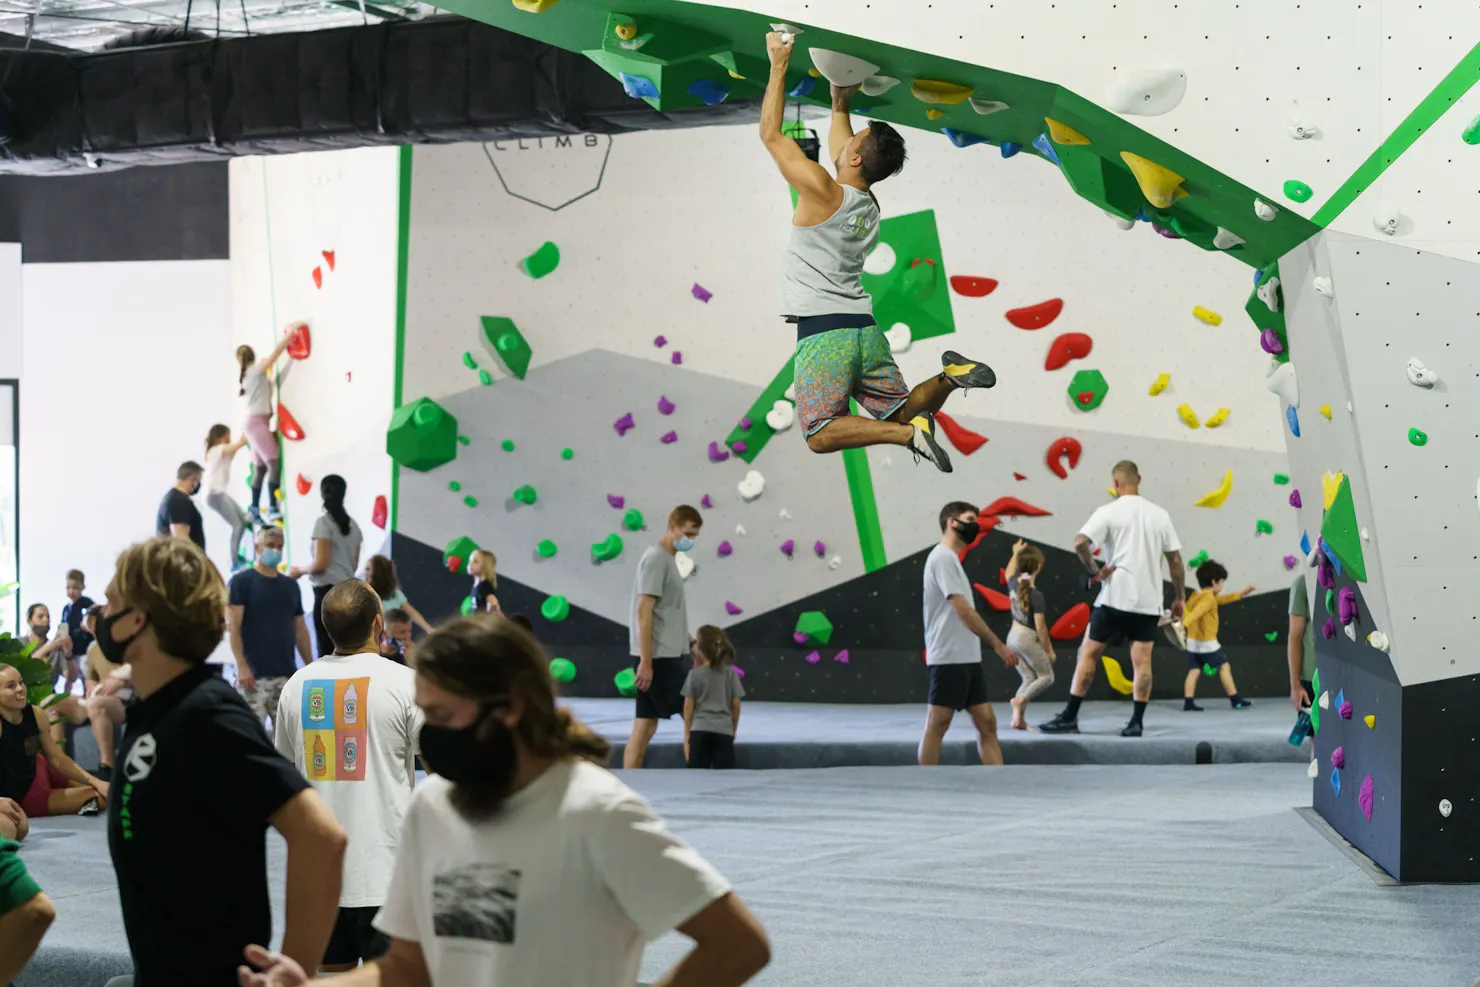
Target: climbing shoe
966,373
1131,730
923,443
1059,725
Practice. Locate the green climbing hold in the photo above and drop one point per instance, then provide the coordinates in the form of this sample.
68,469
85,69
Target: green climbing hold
1330,601
608,548
567,453
1263,527
1298,191
542,261
421,436
459,548
468,361
815,626
1282,478
467,606
1315,705
1087,389
1471,134
1198,559
546,549
1418,436
1342,534
626,682
454,486
1209,669
562,669
632,520
526,494
471,501
464,440
555,609
485,378
507,445
1271,636
506,342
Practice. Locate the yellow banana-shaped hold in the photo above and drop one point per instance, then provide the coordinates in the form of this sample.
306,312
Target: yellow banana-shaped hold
934,114
1326,412
1188,416
1115,676
1219,417
1207,315
1160,185
1215,498
1062,133
936,91
1159,384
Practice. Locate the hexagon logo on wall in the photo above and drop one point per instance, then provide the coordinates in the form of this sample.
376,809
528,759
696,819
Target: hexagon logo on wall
550,172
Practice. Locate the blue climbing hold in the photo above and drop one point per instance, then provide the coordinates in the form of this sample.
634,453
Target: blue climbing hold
1305,542
1336,782
712,93
802,88
1293,420
1009,148
1335,560
1258,277
639,87
1045,148
1141,216
1340,697
960,138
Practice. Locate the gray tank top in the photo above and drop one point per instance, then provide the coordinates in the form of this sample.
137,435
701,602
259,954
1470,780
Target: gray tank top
820,271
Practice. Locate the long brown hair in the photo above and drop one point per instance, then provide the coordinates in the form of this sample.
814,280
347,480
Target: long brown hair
245,356
217,435
715,646
380,573
1029,561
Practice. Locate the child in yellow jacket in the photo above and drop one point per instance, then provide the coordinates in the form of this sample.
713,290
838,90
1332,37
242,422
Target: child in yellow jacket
1201,623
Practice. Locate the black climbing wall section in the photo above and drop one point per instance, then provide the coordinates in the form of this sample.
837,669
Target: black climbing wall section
1441,761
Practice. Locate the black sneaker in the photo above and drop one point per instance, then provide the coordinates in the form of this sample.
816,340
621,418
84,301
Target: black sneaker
1191,707
103,772
1131,730
1059,725
924,446
89,808
1242,704
966,373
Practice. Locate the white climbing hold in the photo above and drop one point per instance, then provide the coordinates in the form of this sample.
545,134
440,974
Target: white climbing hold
783,415
1351,631
1387,221
788,32
1299,127
1269,293
1121,221
878,85
1366,535
899,337
1226,240
1282,382
1322,287
1325,701
1147,92
841,69
740,529
1445,808
791,393
684,563
1420,375
1378,640
835,561
986,106
1264,210
1348,407
785,514
750,488
1313,769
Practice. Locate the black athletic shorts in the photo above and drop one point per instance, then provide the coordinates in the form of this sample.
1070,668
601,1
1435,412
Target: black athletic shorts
1110,626
354,938
958,686
708,749
664,698
1213,659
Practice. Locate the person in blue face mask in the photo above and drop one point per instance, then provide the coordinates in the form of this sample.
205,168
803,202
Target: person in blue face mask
265,617
660,632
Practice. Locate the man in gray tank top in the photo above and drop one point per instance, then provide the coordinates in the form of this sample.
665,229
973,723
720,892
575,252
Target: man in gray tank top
841,354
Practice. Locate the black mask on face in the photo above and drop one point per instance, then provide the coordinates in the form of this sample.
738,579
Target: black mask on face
195,488
968,530
41,630
478,760
111,647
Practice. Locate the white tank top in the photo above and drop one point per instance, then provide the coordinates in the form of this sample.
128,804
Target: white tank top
821,271
259,391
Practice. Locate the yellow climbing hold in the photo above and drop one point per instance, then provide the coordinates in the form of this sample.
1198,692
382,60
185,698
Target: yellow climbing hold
1062,133
1115,676
535,6
934,114
1188,416
814,73
736,75
935,91
1326,412
1215,498
626,30
1219,417
1330,486
1112,491
1371,721
1207,315
1159,384
1160,185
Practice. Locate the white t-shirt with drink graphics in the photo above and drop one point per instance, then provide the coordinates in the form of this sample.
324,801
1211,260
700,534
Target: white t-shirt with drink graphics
351,725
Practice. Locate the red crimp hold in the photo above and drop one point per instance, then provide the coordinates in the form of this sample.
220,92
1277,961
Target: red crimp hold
997,601
963,438
1071,624
328,256
1058,451
1013,507
972,287
1036,316
288,425
1069,346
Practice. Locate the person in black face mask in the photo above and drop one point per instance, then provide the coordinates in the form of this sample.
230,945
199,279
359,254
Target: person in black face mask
523,844
178,516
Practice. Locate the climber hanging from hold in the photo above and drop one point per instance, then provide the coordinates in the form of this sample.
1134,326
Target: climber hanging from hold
841,353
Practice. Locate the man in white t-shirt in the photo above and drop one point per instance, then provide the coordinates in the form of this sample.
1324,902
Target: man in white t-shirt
525,862
350,722
1134,535
953,635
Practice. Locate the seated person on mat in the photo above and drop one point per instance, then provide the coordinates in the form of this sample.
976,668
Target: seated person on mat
25,912
34,771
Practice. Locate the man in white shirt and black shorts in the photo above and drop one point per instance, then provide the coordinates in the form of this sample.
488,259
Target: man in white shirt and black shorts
953,635
1134,534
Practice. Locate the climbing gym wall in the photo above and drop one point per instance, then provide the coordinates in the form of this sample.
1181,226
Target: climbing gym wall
314,241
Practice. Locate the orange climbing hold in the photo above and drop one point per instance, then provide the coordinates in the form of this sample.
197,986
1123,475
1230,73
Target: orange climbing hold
304,485
1036,316
288,426
1013,507
1059,450
300,343
318,277
1071,624
963,438
972,287
1068,346
997,601
328,258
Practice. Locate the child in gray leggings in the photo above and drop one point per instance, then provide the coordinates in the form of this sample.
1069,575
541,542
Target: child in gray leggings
1029,635
219,452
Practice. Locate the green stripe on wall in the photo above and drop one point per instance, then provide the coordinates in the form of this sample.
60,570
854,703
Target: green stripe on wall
865,508
403,256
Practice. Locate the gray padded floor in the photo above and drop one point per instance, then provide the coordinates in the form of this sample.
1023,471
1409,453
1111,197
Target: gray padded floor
1199,876
806,735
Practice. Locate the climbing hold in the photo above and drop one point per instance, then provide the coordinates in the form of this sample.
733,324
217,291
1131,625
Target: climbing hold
1338,758
1269,341
454,563
782,416
1269,293
716,454
379,512
463,440
421,435
986,107
1161,186
740,529
608,548
1282,478
1170,234
1325,411
1387,221
1328,629
745,424
1224,240
1042,145
632,520
665,406
1420,375
485,378
841,657
507,445
1146,92
934,114
959,138
1282,381
709,92
1036,316
732,610
684,563
567,453
626,30
1072,624
1378,640
804,87
1218,418
1018,476
1262,527
1297,190
899,338
1293,420
820,549
1088,388
788,547
535,6
1061,449
660,341
625,680
963,438
1345,710
1013,507
300,343
840,69
1115,676
1009,148
1120,221
706,503
1291,561
526,494
637,86
304,486
468,361
1370,720
1271,636
813,628
1264,210
470,501
668,438
542,261
615,501
1364,797
507,343
812,657
288,426
1324,702
562,669
1216,497
1207,315
1330,485
1198,559
751,487
318,277
1299,128
701,293
997,601
1323,287
877,85
555,609
1159,384
1471,135
920,279
1295,500
1061,133
546,549
677,359
1339,531
1418,436
785,515
1188,416
972,287
936,91
1313,769
1068,346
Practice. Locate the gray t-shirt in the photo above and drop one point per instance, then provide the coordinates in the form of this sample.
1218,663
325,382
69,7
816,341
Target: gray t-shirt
713,690
1036,604
948,641
657,575
344,549
259,391
1300,607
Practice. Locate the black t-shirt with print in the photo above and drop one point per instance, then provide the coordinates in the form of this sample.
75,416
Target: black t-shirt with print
178,508
19,745
197,781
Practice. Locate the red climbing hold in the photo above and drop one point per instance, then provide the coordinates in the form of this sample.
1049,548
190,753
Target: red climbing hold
995,600
379,512
1018,476
1069,346
972,287
328,258
1059,450
963,438
300,343
454,563
304,486
1012,507
288,425
987,524
318,277
1036,316
1085,398
1002,576
1071,624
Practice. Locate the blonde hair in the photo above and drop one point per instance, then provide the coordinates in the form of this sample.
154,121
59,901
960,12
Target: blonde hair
488,562
715,646
1029,561
173,582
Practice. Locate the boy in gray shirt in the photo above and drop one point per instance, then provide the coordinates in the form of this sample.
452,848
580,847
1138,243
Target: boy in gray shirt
711,709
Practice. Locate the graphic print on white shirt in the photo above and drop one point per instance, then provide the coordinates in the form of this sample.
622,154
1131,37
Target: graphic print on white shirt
476,901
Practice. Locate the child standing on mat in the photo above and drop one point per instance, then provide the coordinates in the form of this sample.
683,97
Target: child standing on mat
711,703
1029,635
1201,623
483,567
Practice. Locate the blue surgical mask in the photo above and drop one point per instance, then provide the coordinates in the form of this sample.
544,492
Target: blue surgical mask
683,543
270,557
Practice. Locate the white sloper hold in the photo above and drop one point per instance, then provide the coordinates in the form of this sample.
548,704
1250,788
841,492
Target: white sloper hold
1387,221
750,488
684,563
1325,701
1147,92
1323,287
1226,240
1269,293
740,530
783,415
835,561
1314,769
899,337
1351,631
1298,126
1378,640
877,85
1420,375
1366,535
986,106
841,69
1445,808
1282,382
1264,210
785,514
1121,221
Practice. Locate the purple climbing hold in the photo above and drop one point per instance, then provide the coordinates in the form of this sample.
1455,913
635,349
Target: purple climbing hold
820,549
660,342
669,438
665,406
1364,797
1295,498
1169,234
624,423
701,293
716,454
1338,758
1346,604
1328,629
1271,342
740,447
615,501
745,424
1291,561
706,503
841,657
725,549
739,672
799,637
1345,710
1325,573
813,658
788,547
677,357
732,610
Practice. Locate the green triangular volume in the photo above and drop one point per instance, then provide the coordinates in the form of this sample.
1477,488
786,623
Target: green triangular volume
1340,532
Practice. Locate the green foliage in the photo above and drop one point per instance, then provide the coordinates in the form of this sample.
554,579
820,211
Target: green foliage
35,672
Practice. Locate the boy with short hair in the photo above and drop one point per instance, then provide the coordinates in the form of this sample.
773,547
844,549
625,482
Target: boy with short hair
73,611
1201,624
397,636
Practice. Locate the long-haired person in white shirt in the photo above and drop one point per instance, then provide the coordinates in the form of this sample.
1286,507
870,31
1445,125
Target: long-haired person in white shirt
524,861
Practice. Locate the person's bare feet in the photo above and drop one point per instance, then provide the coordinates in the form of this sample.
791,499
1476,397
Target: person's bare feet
1018,721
